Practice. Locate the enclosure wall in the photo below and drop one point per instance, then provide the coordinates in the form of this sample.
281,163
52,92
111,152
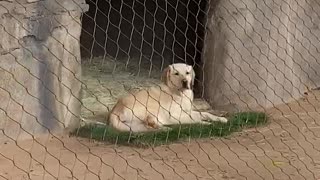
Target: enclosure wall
260,53
40,66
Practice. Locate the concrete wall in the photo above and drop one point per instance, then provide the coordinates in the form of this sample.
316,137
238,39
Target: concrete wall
260,53
40,66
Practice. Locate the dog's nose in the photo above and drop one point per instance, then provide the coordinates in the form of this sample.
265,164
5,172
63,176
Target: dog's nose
185,83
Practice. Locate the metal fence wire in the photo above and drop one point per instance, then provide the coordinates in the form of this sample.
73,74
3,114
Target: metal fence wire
64,64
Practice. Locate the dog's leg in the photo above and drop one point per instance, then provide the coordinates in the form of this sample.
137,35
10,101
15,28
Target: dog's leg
152,123
210,117
133,125
200,117
192,117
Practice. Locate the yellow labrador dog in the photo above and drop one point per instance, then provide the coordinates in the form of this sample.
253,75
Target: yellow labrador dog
167,104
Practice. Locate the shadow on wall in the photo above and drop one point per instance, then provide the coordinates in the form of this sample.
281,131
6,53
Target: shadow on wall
214,53
155,31
40,67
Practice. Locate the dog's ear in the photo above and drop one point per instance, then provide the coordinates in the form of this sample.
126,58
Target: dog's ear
165,74
193,77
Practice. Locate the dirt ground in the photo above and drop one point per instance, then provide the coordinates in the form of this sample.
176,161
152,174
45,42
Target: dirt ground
287,148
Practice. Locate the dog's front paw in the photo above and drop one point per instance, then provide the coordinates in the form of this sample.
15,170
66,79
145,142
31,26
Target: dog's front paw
214,118
165,128
223,119
205,122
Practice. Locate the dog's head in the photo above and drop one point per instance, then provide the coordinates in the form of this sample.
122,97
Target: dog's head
179,76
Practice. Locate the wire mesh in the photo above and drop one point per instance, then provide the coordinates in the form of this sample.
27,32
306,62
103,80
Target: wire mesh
65,64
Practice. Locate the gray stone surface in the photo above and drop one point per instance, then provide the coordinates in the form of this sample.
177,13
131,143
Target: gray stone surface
40,66
261,53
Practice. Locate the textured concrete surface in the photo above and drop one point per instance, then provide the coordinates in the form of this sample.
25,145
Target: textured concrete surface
40,65
261,53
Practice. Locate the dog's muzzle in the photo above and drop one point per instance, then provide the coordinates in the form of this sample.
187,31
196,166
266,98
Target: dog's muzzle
185,84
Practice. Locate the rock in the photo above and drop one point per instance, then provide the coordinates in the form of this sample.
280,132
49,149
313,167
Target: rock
260,54
40,58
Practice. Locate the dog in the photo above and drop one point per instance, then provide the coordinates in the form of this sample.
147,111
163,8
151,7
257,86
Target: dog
169,103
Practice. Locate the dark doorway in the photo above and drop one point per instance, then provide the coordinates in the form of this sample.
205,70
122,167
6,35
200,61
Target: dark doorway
157,32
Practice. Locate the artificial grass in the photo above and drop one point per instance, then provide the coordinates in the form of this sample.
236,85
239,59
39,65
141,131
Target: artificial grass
236,123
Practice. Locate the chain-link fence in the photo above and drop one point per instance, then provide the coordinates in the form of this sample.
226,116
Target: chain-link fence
64,64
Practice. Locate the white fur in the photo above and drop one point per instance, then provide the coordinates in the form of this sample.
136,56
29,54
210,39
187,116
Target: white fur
166,104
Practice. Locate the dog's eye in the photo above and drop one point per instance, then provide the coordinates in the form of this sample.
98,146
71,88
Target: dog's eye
176,73
187,72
